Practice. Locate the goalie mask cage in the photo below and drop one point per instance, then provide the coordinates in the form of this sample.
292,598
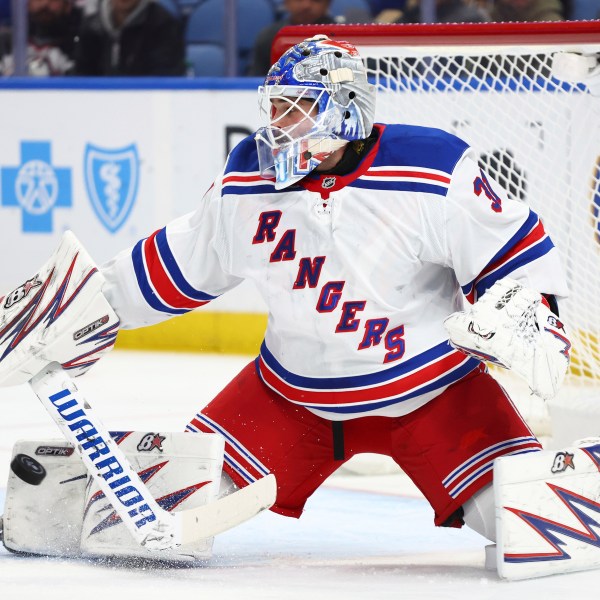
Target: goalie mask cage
534,123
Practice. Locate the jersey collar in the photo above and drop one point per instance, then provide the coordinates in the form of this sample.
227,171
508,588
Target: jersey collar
325,183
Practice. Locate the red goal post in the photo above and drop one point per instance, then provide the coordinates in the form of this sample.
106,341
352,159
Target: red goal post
444,34
526,96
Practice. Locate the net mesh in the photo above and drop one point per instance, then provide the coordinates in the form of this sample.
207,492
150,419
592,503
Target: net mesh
536,135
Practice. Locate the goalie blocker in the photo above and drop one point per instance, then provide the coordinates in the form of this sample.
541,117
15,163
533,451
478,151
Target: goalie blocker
58,315
54,508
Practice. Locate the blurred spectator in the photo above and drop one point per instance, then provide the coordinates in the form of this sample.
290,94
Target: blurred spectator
5,32
299,12
447,11
387,11
4,12
129,38
53,27
378,6
528,10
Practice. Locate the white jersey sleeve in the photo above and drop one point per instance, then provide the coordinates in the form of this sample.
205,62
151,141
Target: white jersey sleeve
487,236
173,271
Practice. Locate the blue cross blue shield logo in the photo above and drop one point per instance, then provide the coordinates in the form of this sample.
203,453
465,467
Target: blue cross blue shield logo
36,186
111,179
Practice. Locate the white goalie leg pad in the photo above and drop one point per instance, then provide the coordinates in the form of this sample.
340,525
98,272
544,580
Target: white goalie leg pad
43,511
511,327
185,474
59,314
548,512
66,514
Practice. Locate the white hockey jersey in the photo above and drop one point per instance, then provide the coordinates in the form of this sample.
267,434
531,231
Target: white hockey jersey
358,271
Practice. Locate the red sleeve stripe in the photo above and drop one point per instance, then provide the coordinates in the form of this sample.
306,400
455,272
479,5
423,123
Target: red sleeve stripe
160,280
532,238
535,236
239,178
409,174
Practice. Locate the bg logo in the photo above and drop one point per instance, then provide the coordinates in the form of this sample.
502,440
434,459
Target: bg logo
36,186
22,291
150,442
562,461
111,180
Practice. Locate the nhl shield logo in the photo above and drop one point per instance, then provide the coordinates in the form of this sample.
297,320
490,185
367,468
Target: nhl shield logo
111,179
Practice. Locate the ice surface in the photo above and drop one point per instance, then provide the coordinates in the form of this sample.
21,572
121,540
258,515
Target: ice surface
365,537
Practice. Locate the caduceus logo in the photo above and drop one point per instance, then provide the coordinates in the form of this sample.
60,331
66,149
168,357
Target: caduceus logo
110,175
111,179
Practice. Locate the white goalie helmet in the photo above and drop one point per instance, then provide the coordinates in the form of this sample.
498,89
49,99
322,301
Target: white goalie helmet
331,75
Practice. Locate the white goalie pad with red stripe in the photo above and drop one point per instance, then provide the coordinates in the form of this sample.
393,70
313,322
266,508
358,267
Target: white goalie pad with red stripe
59,314
548,512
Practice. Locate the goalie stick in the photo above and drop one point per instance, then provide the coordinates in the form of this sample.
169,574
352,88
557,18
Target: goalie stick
152,527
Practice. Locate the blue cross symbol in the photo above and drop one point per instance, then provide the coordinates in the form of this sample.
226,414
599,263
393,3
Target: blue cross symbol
36,187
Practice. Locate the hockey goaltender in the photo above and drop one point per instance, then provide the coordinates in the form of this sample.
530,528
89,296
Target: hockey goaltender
394,268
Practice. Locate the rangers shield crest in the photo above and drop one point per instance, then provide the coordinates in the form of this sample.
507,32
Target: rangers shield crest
111,179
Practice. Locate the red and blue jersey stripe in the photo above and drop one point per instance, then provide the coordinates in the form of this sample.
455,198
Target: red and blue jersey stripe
427,373
160,279
528,244
404,179
241,183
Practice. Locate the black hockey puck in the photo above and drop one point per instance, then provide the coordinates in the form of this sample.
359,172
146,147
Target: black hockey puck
28,469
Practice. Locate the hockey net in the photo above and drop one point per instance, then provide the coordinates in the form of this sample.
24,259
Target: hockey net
519,93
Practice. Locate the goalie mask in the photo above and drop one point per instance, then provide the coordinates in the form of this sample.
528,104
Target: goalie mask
315,99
